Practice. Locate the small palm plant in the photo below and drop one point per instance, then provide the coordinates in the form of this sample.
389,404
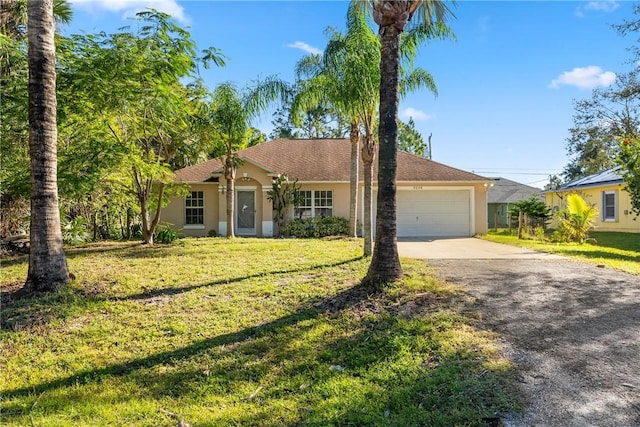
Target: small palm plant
575,222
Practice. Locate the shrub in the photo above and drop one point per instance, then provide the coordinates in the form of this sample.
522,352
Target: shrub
14,217
75,231
539,233
575,222
164,234
535,214
317,227
212,233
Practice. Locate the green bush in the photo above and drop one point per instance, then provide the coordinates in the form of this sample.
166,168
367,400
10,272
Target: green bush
75,231
164,234
317,227
575,222
212,233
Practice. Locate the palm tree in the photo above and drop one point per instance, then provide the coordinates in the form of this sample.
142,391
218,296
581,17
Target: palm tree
230,114
47,262
347,76
13,16
392,18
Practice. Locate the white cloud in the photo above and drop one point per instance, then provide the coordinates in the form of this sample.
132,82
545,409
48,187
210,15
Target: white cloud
130,7
416,114
606,6
483,24
305,47
584,78
603,6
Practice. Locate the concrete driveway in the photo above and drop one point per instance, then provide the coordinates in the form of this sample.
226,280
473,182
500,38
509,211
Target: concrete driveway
463,248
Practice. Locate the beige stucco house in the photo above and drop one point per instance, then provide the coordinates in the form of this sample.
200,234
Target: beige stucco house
432,199
605,191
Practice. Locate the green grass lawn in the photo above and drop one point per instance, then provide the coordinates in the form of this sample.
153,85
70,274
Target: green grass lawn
244,333
616,250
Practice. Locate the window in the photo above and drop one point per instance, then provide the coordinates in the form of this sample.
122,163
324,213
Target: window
609,208
323,203
194,208
305,208
315,204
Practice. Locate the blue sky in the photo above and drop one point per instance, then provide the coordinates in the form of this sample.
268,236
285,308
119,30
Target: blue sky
506,84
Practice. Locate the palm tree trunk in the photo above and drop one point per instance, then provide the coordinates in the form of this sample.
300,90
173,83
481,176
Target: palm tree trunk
368,155
230,174
354,136
47,262
385,264
230,208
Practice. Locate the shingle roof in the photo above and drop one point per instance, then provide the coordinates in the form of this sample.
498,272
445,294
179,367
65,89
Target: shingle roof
507,191
607,177
325,160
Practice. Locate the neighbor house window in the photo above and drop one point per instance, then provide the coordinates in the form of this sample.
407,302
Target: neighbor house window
194,208
609,208
314,204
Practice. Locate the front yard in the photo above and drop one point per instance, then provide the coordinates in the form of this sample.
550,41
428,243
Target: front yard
213,332
615,250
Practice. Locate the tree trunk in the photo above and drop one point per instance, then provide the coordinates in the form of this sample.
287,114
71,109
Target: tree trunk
368,155
47,262
156,216
354,136
144,210
385,264
129,220
230,174
230,208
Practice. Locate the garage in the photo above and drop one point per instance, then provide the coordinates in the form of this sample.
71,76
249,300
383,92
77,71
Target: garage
438,213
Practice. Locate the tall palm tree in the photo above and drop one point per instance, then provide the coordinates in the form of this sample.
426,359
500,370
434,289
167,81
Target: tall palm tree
47,262
392,16
231,111
346,76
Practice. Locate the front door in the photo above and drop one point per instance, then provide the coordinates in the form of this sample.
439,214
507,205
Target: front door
246,213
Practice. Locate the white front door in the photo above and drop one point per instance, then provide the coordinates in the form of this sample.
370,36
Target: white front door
246,213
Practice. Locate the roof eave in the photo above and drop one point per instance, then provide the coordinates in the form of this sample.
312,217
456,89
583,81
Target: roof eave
587,186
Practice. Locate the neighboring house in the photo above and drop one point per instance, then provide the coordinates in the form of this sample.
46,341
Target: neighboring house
605,191
502,195
432,199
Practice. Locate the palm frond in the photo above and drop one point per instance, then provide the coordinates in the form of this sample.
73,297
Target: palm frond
417,79
262,93
418,35
308,66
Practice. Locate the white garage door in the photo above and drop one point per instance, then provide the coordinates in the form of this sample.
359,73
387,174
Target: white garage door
433,213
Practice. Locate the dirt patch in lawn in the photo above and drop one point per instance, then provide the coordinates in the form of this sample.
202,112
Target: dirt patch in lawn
572,329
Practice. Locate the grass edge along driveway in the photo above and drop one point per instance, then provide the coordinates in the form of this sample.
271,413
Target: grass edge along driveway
620,251
259,332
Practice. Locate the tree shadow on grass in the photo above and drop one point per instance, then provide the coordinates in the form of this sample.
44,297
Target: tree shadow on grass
617,240
170,357
154,293
23,310
600,254
363,374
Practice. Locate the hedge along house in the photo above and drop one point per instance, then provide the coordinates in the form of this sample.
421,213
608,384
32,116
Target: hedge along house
605,191
432,199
